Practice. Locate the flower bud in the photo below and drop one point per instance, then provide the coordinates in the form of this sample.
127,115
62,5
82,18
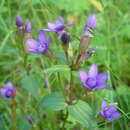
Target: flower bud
44,116
30,119
87,54
19,22
64,37
28,27
92,21
46,84
85,40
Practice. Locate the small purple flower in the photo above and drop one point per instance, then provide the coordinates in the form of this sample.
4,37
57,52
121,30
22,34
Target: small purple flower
40,46
19,22
46,84
9,91
30,119
92,21
91,24
109,111
93,80
28,27
57,26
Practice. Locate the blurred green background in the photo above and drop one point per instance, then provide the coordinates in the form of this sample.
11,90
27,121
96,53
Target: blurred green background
112,37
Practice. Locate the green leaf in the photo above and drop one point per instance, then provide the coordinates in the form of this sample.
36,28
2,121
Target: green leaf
54,101
82,113
31,84
57,68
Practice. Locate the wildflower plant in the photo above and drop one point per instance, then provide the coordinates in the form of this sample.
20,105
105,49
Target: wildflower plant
56,84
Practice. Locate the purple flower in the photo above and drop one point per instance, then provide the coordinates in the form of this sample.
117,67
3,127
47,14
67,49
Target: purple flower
64,37
40,46
30,119
57,26
93,80
46,84
19,22
109,111
92,21
91,24
9,91
28,27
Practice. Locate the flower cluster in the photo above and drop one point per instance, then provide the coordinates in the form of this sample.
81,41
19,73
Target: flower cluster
91,80
27,27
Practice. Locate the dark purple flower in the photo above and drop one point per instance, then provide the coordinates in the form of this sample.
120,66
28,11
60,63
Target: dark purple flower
40,46
44,116
64,37
93,80
30,119
109,111
28,27
57,26
9,91
92,21
19,22
46,84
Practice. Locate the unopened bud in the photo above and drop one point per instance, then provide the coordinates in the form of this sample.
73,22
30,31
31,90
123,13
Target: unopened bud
19,21
85,40
46,84
64,37
92,21
28,27
87,54
30,119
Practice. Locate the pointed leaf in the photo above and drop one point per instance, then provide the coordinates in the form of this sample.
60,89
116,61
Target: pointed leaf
83,114
54,101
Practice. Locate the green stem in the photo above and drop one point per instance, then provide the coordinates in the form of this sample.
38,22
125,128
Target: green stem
44,74
60,82
65,118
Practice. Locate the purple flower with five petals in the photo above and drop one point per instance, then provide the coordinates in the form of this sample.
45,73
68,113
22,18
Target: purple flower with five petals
57,26
9,91
109,111
93,80
40,46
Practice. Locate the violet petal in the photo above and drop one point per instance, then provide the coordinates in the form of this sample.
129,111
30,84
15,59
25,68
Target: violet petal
93,71
83,76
